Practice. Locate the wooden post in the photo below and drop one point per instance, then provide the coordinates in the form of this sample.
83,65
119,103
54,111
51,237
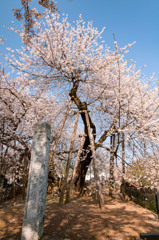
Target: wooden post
123,153
35,204
23,179
123,165
157,202
59,133
90,172
68,194
111,177
96,176
24,163
69,161
14,183
14,191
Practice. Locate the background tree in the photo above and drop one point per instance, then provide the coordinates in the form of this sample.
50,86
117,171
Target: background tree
22,107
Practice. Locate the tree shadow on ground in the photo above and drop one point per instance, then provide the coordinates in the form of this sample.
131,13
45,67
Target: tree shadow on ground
84,220
11,219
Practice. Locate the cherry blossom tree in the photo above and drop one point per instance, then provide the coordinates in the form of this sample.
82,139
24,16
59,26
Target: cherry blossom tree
144,171
21,108
71,62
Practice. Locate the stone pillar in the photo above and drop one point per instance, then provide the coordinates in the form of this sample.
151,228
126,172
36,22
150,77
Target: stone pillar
34,212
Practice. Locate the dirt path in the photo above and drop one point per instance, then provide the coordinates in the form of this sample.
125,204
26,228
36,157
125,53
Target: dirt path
82,219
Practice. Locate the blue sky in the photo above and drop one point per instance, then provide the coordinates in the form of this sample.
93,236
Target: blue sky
130,20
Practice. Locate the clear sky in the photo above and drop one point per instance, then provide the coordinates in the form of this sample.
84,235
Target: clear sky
130,20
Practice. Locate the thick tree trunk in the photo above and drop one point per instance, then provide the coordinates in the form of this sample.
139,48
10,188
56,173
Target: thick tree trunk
83,164
96,176
86,153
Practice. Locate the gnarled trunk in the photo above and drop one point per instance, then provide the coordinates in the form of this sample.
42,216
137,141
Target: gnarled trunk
86,153
83,164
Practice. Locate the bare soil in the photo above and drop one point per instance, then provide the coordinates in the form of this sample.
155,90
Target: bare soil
82,219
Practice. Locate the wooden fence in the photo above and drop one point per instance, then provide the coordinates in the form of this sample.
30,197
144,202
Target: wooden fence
146,197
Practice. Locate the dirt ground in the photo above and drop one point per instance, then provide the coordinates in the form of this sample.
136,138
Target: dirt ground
82,219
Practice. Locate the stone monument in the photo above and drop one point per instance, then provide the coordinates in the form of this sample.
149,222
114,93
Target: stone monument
35,205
